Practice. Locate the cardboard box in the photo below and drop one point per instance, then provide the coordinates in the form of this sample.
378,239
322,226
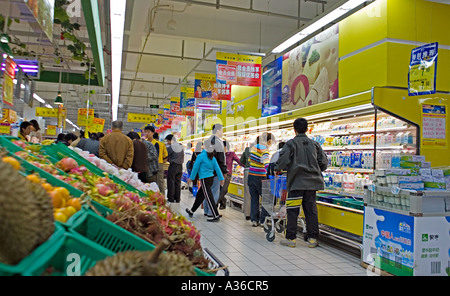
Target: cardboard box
435,186
425,172
412,186
413,158
410,164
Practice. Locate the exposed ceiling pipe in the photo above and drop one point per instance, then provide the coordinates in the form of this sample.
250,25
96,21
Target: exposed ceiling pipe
217,5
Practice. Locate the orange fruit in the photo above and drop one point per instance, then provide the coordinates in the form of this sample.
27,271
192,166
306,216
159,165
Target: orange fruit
64,192
57,199
59,216
47,186
74,202
12,161
33,178
68,211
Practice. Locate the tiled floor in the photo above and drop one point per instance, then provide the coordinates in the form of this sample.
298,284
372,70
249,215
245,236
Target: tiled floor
246,251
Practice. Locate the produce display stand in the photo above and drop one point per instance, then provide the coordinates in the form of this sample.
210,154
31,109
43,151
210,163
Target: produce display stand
87,233
61,151
25,263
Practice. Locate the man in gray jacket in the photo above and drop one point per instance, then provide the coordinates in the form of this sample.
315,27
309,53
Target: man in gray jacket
304,161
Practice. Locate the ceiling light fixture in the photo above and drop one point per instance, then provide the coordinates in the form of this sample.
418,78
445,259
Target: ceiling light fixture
318,24
172,25
117,17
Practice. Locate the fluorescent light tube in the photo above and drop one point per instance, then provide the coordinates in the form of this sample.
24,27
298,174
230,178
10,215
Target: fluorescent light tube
38,98
117,20
318,24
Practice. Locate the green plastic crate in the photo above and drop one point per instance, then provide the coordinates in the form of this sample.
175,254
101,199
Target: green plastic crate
22,266
61,257
107,234
29,168
60,151
349,203
104,211
112,237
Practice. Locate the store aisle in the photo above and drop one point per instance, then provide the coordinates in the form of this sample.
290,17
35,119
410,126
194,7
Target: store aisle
246,252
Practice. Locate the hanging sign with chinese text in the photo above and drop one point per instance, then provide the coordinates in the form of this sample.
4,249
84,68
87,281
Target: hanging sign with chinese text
422,70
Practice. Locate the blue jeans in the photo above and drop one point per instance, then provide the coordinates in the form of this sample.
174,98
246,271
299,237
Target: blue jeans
255,188
215,188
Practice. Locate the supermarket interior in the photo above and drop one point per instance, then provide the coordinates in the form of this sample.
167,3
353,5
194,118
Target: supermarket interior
225,138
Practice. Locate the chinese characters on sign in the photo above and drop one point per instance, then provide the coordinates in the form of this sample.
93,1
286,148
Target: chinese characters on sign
434,131
206,87
238,69
8,83
140,117
46,112
422,70
82,114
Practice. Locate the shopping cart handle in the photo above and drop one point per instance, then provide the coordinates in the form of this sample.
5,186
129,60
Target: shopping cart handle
217,261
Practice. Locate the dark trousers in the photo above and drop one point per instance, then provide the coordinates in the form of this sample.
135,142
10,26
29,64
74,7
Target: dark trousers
309,209
174,174
203,192
224,190
255,188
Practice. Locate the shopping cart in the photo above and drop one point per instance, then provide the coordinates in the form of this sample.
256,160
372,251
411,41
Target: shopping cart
273,200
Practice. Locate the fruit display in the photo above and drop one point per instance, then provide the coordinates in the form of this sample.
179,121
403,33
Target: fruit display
26,214
128,176
148,216
144,263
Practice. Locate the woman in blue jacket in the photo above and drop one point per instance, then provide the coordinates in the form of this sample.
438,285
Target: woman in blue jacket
204,166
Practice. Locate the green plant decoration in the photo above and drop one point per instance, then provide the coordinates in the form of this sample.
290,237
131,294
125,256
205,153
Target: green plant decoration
77,48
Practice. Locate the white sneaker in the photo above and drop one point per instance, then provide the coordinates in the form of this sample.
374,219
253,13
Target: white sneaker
255,224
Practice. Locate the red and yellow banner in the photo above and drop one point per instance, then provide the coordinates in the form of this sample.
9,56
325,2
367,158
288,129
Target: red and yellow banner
238,69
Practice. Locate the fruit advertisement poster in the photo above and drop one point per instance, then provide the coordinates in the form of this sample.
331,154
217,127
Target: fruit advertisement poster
310,71
271,88
237,69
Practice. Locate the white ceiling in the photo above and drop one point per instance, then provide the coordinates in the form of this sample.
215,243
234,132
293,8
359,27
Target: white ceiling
157,60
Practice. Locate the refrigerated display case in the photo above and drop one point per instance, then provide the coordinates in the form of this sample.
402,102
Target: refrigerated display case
357,140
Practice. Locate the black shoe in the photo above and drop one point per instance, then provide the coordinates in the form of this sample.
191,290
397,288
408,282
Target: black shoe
247,218
222,207
177,201
191,214
213,219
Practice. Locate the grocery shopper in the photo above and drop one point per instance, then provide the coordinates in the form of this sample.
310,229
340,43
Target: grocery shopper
152,137
116,148
247,198
79,136
259,161
69,139
198,149
187,158
304,160
35,135
230,156
140,157
175,157
100,135
24,130
153,163
90,144
60,138
206,169
216,142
